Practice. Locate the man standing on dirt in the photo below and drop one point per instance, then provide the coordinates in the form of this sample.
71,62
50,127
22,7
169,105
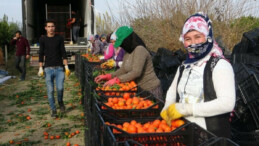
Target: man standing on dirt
53,54
21,53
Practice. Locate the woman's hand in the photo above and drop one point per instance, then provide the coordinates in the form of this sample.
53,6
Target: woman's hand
103,77
176,111
112,82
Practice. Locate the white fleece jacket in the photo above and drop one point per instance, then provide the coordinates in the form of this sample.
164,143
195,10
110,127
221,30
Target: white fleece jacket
190,90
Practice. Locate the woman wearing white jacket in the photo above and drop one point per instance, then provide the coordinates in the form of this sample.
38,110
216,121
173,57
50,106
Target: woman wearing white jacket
203,90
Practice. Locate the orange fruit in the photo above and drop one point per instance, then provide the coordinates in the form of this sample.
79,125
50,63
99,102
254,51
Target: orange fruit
135,100
45,133
110,99
141,130
151,130
115,100
121,103
133,122
82,114
129,101
126,124
11,141
51,137
163,121
159,130
156,123
177,123
167,128
57,136
162,126
132,129
126,96
119,126
138,125
127,88
146,125
77,132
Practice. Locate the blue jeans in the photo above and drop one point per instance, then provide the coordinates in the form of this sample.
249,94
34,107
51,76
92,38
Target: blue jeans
75,31
56,73
22,69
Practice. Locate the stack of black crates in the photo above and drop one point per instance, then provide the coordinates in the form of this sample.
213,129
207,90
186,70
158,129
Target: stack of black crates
97,114
245,118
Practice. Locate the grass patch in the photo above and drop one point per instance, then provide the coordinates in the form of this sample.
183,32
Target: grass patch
2,129
40,111
75,118
2,97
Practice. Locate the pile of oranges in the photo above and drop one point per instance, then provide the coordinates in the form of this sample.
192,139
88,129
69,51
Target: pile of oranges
156,126
126,102
91,57
116,89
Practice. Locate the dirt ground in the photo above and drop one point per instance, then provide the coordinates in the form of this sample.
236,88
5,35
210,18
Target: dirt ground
25,113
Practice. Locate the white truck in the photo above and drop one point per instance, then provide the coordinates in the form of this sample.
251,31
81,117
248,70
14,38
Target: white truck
36,12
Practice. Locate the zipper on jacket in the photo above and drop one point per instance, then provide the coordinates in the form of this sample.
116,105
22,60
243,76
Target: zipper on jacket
187,81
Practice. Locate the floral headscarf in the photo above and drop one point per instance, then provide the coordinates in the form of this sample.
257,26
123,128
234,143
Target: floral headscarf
201,23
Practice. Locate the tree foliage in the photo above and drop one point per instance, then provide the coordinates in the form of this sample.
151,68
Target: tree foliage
246,23
7,29
159,23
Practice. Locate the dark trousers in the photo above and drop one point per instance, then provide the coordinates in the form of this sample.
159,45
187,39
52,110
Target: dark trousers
75,31
22,69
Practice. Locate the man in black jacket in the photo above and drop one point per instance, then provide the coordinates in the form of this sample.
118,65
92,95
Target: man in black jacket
53,54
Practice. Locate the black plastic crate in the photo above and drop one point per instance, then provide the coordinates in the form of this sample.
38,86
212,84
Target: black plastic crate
77,64
246,138
89,102
150,112
110,138
119,93
189,134
242,71
91,65
250,93
219,141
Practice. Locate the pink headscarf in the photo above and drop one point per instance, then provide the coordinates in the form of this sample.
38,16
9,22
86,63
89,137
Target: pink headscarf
201,23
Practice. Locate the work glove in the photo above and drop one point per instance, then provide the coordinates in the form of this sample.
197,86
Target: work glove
176,111
67,71
103,77
101,57
41,72
112,82
120,63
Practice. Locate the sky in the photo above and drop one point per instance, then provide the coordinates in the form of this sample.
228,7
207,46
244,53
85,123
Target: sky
13,9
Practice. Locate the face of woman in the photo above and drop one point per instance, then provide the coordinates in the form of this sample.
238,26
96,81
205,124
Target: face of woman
112,41
193,37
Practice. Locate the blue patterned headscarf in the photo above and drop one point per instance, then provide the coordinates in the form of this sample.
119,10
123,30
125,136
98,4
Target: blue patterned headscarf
201,23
